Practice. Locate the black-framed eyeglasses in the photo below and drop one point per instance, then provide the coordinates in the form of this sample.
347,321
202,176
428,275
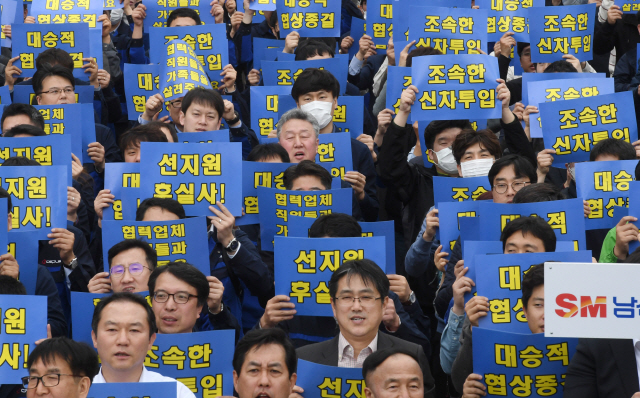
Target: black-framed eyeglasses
57,91
48,380
176,104
179,298
117,271
516,185
365,301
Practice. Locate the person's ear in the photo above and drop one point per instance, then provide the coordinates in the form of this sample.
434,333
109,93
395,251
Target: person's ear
218,124
431,156
333,307
235,380
459,170
293,379
181,118
83,386
38,99
94,338
152,339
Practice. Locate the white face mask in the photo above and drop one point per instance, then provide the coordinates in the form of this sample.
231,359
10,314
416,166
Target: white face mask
572,171
321,110
446,161
476,167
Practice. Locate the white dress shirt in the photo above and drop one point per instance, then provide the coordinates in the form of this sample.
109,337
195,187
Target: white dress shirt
345,353
148,376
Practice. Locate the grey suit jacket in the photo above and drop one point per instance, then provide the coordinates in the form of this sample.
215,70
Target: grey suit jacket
326,353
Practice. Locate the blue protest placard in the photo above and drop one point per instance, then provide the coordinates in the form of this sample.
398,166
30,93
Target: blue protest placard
303,267
604,185
265,50
348,116
449,213
133,390
573,127
176,240
629,6
456,87
38,196
204,137
158,11
141,82
357,31
11,14
447,189
513,364
556,90
5,96
23,93
398,79
213,54
380,22
566,217
329,381
95,46
470,250
23,246
262,5
555,31
254,175
277,205
202,361
451,30
536,77
196,175
62,12
130,202
52,150
74,119
116,177
499,278
284,73
310,18
181,71
508,16
24,320
334,153
265,107
29,40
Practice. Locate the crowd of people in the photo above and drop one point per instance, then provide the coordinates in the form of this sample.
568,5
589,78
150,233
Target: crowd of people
417,340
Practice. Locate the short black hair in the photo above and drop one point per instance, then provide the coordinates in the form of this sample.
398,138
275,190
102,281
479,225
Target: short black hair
24,129
5,194
10,285
306,168
186,273
48,71
261,337
560,66
123,297
535,226
542,192
268,151
170,205
183,13
335,225
521,46
312,48
376,359
17,109
419,52
614,147
141,133
82,359
313,79
366,269
532,279
521,166
205,97
170,126
436,127
128,244
20,161
469,137
272,20
54,56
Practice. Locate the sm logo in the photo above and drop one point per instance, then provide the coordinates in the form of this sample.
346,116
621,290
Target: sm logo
586,307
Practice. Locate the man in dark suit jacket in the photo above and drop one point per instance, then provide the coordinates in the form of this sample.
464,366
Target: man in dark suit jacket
603,368
355,289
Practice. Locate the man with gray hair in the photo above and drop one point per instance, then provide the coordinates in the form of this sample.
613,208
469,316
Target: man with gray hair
298,134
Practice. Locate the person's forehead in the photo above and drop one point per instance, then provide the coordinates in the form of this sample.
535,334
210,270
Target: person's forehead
355,282
201,107
57,80
183,21
129,255
54,363
319,92
448,134
297,125
124,312
170,283
266,354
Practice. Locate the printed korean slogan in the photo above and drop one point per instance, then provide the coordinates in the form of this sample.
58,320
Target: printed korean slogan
499,278
310,18
348,116
557,90
398,79
446,189
277,205
555,31
213,54
254,175
508,16
195,360
604,185
566,217
38,196
629,6
284,73
67,11
521,365
181,71
574,127
265,107
158,11
23,246
379,22
116,177
196,175
133,390
52,150
204,137
29,40
303,267
456,87
141,82
536,77
320,381
176,240
24,320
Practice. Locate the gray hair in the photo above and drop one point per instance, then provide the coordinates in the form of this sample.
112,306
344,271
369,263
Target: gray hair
299,114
